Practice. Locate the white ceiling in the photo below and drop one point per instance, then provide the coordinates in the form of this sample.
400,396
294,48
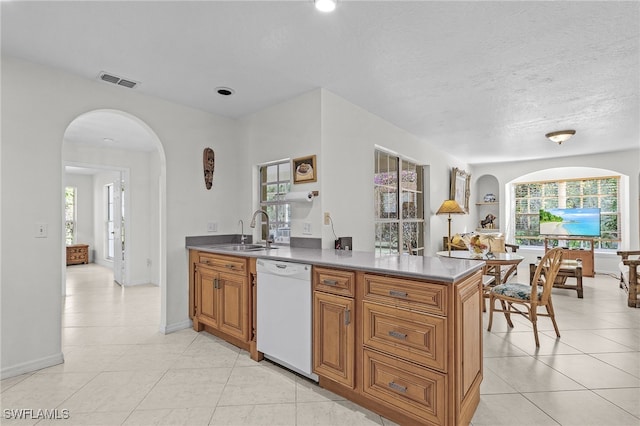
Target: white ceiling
483,80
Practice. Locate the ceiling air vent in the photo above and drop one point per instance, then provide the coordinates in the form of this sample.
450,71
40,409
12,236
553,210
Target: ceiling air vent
110,78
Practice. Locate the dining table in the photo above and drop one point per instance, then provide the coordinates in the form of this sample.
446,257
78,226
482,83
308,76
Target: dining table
501,265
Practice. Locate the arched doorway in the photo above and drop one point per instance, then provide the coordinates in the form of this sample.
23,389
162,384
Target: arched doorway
123,156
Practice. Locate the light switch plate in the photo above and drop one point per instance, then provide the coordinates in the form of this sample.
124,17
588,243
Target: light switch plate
307,228
212,227
41,230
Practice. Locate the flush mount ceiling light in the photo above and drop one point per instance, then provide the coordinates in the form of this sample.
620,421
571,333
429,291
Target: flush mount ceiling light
560,136
225,91
325,5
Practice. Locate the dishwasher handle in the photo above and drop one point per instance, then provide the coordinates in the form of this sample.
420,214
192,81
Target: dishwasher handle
286,269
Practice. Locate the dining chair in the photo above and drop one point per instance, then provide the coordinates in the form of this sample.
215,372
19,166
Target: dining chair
514,296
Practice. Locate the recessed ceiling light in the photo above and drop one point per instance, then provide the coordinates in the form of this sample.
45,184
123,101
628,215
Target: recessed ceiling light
325,5
225,91
108,140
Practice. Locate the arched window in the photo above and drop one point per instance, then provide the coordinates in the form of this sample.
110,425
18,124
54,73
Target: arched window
601,192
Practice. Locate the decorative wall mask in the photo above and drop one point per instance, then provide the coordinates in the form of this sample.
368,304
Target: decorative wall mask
209,163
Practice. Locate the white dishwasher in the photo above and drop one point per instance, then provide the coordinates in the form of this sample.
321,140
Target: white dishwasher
284,317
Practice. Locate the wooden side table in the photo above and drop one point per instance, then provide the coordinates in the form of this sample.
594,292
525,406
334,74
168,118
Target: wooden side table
77,254
568,269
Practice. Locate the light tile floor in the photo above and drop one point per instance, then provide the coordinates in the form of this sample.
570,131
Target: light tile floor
119,370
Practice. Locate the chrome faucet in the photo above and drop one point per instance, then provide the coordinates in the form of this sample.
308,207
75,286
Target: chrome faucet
253,225
242,236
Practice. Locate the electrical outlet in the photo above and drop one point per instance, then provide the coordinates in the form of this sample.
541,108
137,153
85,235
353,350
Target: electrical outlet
212,227
41,230
307,228
327,218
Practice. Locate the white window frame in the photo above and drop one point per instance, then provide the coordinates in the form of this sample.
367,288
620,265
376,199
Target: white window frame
561,198
398,201
109,241
274,203
73,222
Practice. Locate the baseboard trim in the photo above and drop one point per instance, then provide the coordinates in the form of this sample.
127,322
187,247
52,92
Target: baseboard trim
30,366
171,328
140,282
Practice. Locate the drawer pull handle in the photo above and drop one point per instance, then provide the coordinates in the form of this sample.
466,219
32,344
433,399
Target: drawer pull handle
397,293
206,261
330,282
398,387
397,335
229,266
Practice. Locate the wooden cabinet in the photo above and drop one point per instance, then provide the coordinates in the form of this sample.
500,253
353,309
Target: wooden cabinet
409,335
333,338
416,357
408,349
221,299
77,254
334,325
405,386
585,251
405,346
206,296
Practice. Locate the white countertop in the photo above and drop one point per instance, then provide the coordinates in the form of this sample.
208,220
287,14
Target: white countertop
431,268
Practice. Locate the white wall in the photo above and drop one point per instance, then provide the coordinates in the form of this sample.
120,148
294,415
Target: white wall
38,103
349,138
625,163
141,215
84,208
290,129
343,137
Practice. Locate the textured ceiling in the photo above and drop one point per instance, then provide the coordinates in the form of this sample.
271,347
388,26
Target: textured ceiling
483,80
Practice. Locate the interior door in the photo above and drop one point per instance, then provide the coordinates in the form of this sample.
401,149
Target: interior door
118,232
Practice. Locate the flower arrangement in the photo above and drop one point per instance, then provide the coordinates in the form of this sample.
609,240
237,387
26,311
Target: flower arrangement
476,247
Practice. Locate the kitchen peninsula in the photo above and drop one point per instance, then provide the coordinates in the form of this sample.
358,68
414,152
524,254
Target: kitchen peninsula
399,335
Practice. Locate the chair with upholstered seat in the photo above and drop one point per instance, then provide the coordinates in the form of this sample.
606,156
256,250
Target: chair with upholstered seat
514,296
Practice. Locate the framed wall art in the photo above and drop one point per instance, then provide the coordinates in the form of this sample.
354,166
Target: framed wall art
460,191
304,169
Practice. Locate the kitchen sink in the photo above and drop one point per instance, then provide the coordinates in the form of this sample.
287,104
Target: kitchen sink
241,247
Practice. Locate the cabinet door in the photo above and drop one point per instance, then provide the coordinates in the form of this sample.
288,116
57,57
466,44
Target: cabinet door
334,338
233,315
207,296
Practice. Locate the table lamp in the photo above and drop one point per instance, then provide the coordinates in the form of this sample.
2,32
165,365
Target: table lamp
450,207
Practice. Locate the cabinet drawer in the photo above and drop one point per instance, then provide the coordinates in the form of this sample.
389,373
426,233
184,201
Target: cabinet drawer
406,293
410,335
334,281
415,391
230,264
